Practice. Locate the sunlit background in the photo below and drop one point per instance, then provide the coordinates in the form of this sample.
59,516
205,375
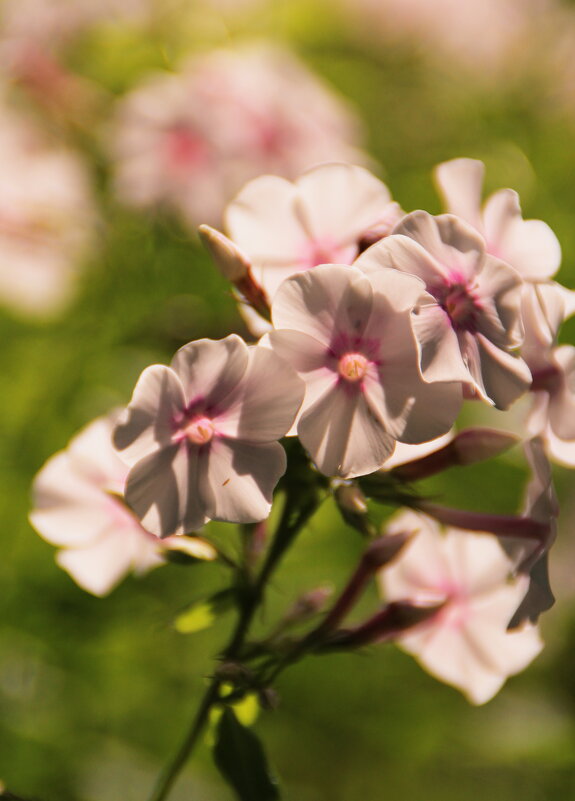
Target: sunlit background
123,125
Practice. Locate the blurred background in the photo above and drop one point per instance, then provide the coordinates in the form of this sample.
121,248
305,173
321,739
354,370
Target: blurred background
123,125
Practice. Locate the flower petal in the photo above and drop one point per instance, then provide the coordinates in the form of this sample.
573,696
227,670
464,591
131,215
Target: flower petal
504,376
323,300
162,489
210,369
460,183
262,221
237,479
343,436
530,246
264,405
340,202
148,422
99,567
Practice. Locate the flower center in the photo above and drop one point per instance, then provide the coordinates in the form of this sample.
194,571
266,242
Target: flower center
200,431
353,367
460,305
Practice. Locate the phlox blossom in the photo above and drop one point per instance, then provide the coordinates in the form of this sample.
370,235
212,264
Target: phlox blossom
469,324
78,507
349,337
287,227
466,644
201,435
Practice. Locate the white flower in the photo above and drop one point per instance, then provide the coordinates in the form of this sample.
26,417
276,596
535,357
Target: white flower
469,323
349,337
78,507
467,643
201,435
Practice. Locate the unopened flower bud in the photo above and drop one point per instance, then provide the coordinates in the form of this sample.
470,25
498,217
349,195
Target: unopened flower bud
470,446
230,261
479,444
309,604
393,620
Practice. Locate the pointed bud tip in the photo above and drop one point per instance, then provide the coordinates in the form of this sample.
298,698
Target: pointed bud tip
229,259
479,444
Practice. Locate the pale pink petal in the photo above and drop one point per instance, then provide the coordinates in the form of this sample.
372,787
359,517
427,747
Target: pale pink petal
562,401
162,489
452,243
67,508
505,377
500,291
99,567
400,252
530,246
339,202
263,407
237,479
343,436
414,410
148,422
210,369
262,221
394,291
441,358
93,456
308,357
460,183
568,296
310,302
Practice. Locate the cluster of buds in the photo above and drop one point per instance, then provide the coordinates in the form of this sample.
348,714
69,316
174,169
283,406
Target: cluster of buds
373,326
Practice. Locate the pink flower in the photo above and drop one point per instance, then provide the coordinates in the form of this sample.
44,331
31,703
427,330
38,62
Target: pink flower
46,216
467,643
529,246
350,338
201,435
78,507
469,323
320,218
192,139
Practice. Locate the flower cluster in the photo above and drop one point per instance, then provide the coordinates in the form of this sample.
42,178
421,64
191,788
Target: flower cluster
374,326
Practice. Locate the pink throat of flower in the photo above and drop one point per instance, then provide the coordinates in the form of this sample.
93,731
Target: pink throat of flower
460,304
352,367
200,430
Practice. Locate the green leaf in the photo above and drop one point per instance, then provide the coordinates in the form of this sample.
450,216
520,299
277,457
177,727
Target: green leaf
241,759
202,614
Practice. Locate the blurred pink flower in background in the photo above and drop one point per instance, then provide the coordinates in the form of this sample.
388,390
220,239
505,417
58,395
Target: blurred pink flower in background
78,507
46,218
467,643
190,140
34,35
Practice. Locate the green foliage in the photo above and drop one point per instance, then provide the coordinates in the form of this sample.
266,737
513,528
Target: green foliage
240,757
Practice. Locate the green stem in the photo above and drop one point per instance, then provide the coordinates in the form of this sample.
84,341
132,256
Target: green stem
297,510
